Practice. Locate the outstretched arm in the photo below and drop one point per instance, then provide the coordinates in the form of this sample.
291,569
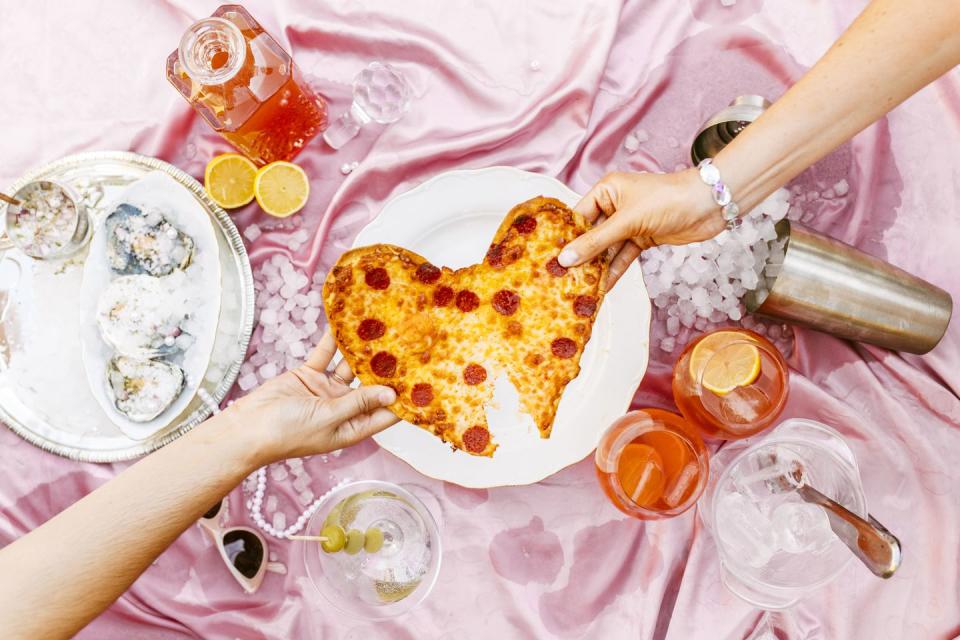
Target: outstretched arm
891,51
57,578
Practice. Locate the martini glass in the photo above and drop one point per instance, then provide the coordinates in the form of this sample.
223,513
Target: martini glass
381,580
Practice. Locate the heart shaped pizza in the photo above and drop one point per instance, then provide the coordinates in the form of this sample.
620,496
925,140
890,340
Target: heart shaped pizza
440,337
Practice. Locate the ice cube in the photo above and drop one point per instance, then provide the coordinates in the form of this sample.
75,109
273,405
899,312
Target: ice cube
734,314
305,497
271,504
841,188
315,298
311,314
681,485
699,297
631,144
641,135
746,533
252,232
297,350
288,291
668,344
268,317
273,284
278,472
673,326
301,482
247,382
268,371
802,528
279,521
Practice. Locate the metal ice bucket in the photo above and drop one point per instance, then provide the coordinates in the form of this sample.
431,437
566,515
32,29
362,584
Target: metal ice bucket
827,285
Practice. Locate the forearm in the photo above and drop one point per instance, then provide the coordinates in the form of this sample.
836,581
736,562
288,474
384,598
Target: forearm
893,49
64,573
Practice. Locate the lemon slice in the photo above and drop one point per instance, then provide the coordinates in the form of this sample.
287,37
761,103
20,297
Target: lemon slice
282,188
737,363
229,180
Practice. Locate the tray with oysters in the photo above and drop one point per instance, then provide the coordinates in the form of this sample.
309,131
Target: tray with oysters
123,346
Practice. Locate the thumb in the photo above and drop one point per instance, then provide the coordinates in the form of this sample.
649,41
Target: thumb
595,241
360,401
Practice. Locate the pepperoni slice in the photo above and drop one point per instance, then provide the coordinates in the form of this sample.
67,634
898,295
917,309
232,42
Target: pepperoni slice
563,347
421,394
371,329
525,224
585,306
476,439
384,364
495,256
427,273
467,301
506,302
442,296
555,269
377,278
474,374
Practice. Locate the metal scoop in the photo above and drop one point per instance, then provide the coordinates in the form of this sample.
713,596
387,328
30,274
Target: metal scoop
869,540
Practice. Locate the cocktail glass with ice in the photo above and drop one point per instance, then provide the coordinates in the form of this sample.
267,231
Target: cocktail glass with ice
732,383
775,548
652,464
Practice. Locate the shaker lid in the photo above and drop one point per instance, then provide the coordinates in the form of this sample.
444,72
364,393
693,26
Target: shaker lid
725,125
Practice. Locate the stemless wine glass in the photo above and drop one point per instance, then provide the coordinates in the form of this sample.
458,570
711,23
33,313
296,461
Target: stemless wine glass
732,383
382,575
652,464
49,221
380,94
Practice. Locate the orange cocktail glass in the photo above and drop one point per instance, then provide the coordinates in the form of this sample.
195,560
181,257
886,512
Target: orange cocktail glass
731,383
652,464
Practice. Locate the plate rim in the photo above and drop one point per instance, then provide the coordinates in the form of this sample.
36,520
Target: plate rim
234,239
413,192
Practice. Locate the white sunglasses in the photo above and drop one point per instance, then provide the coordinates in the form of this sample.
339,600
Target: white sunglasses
243,550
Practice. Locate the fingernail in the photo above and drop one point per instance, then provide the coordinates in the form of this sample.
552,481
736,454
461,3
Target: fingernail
387,396
567,258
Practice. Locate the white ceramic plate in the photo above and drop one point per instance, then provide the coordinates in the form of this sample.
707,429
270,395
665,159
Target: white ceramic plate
450,220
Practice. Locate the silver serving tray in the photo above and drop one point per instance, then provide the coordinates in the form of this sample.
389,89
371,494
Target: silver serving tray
44,393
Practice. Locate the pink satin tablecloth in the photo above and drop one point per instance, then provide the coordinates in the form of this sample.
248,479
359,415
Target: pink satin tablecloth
552,87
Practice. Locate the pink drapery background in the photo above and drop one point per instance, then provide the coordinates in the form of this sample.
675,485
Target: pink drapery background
554,88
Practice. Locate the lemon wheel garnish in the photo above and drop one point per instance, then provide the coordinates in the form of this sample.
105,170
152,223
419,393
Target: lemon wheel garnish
229,180
281,188
737,362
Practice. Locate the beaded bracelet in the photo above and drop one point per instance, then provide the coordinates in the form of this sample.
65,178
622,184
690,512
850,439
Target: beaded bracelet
721,193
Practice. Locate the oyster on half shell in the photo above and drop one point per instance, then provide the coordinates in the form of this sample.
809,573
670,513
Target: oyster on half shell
143,389
145,242
144,317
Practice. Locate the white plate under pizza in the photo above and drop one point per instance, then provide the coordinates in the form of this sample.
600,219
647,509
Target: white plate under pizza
450,221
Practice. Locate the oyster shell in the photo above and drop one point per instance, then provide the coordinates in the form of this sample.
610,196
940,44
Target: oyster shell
139,242
143,389
144,317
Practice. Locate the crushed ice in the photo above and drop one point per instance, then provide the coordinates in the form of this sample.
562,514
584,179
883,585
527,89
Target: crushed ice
699,287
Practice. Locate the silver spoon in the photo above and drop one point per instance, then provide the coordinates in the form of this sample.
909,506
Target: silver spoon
869,540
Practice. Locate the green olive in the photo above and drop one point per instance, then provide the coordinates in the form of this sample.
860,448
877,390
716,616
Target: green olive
355,539
374,541
335,538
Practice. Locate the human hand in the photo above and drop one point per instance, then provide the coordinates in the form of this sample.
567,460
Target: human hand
634,211
307,411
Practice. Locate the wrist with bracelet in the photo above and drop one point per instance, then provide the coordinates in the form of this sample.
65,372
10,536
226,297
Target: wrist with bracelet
710,176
